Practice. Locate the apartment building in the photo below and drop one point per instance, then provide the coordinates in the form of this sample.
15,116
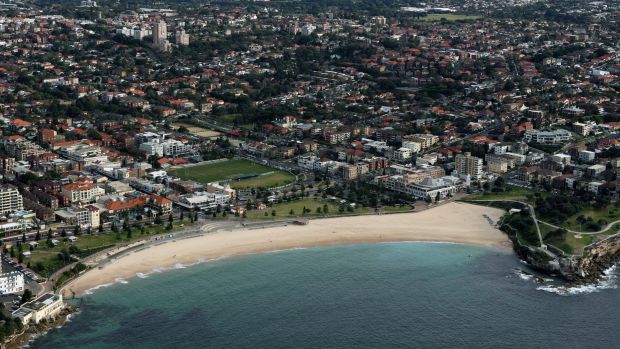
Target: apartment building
547,137
82,192
10,199
468,165
425,140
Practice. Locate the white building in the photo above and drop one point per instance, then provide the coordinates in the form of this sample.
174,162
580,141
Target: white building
586,155
413,146
203,200
10,199
429,187
561,158
11,283
309,162
45,307
402,154
168,147
152,148
547,137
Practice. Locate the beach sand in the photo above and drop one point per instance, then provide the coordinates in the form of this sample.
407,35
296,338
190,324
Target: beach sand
452,222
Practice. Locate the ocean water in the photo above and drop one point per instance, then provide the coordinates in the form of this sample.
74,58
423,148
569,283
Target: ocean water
401,295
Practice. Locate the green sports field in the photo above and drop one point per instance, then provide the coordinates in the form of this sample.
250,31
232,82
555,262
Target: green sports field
234,171
448,17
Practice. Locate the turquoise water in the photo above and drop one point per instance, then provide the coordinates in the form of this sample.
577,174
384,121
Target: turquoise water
406,295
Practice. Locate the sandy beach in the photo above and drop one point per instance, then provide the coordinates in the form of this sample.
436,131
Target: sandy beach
452,222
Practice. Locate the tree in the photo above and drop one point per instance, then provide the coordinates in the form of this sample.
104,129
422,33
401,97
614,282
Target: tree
37,237
325,209
77,230
26,297
170,219
23,238
273,213
49,233
181,216
291,212
63,233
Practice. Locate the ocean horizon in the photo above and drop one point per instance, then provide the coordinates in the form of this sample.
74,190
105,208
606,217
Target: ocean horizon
407,294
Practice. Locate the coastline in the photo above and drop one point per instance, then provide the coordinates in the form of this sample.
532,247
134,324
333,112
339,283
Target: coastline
452,222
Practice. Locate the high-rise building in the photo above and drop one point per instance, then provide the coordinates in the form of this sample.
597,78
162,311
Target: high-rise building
160,34
10,199
465,164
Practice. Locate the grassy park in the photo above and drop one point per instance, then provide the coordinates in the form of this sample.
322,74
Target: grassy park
448,17
315,207
233,171
46,259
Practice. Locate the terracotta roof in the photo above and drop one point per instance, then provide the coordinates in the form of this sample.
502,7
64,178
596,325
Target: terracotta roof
79,186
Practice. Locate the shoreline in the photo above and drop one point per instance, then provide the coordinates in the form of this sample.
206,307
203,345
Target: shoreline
449,223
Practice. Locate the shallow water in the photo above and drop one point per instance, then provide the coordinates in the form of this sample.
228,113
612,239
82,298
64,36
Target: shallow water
420,295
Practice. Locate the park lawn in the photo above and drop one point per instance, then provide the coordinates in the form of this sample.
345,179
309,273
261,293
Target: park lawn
228,170
512,193
283,209
226,118
576,243
269,180
248,127
449,17
610,213
49,255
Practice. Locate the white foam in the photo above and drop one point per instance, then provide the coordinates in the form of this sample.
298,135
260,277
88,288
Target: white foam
522,275
179,266
607,282
93,289
142,275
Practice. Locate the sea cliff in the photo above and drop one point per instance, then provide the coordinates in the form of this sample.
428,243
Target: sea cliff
586,268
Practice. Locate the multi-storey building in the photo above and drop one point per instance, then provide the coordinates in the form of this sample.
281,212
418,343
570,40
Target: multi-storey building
468,165
160,32
20,148
425,140
181,38
82,192
10,199
12,282
559,136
